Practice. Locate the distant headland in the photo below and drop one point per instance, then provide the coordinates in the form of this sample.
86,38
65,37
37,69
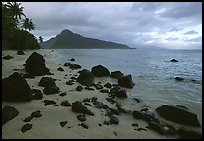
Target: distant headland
69,40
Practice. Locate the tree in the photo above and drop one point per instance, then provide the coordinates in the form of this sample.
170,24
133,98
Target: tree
28,24
14,34
15,9
40,39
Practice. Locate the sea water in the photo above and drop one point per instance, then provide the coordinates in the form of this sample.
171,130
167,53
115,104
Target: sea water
152,72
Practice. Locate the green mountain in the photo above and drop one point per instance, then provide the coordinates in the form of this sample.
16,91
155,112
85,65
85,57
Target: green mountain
69,40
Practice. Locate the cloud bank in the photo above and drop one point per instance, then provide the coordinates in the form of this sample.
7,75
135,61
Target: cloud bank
136,24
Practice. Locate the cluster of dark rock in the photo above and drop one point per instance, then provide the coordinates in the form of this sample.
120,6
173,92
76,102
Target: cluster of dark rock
16,88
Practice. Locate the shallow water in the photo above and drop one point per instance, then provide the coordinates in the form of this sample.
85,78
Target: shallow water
152,72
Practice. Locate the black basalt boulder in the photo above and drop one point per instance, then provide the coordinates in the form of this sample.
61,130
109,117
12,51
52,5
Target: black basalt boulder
20,52
174,60
8,113
16,88
47,81
116,74
86,78
126,81
179,114
35,65
78,107
100,70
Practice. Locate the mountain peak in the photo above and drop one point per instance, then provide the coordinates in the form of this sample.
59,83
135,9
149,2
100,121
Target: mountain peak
66,31
67,39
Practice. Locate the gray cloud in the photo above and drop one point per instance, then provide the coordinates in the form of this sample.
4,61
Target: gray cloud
191,32
132,23
176,29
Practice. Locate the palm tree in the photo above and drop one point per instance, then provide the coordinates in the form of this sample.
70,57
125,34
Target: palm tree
28,24
41,39
16,9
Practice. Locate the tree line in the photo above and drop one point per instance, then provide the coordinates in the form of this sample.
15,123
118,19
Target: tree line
16,28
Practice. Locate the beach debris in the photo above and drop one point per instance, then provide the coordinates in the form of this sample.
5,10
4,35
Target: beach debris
86,78
72,59
60,69
174,60
49,102
113,120
65,103
35,65
20,52
16,88
79,88
8,113
179,114
89,88
179,78
74,66
140,129
98,86
62,94
84,125
104,91
116,74
137,100
126,81
100,70
7,57
63,123
135,125
26,127
37,94
108,85
188,134
78,107
81,117
70,82
67,64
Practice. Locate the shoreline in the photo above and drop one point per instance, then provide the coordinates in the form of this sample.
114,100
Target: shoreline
48,125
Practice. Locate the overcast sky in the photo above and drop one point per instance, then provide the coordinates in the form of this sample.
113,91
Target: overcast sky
176,25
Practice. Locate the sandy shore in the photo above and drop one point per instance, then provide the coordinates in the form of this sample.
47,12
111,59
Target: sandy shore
48,126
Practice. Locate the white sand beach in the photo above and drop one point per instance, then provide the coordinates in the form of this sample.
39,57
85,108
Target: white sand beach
48,126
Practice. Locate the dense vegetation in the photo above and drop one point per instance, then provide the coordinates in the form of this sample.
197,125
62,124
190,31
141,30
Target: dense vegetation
16,28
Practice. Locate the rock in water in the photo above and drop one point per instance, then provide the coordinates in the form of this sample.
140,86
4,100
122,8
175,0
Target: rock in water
86,78
126,81
179,114
16,88
174,60
8,113
100,70
179,79
35,65
116,74
78,107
